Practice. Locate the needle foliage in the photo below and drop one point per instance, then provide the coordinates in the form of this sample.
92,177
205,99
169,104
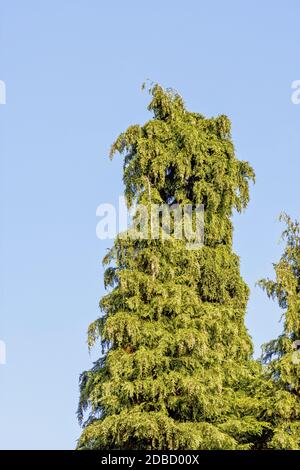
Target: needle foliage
282,355
176,368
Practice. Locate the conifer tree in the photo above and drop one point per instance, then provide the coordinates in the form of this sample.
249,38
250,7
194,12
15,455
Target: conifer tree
282,356
176,369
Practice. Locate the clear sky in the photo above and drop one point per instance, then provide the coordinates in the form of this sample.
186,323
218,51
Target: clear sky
73,71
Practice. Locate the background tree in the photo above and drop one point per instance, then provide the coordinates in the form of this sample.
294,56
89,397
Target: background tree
281,355
176,370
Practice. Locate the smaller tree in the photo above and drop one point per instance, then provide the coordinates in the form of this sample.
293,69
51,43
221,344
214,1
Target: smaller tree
282,355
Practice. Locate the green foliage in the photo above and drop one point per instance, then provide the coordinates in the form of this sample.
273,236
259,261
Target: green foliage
280,355
176,370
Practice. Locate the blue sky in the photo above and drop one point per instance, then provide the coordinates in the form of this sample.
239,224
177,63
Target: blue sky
73,71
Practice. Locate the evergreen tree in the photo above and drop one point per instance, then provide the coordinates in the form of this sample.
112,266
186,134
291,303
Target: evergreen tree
176,369
282,356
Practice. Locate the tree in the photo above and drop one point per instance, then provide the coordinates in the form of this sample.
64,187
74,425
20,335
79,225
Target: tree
281,355
176,369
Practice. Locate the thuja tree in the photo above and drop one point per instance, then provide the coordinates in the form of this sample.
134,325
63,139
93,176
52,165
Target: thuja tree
282,356
176,369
